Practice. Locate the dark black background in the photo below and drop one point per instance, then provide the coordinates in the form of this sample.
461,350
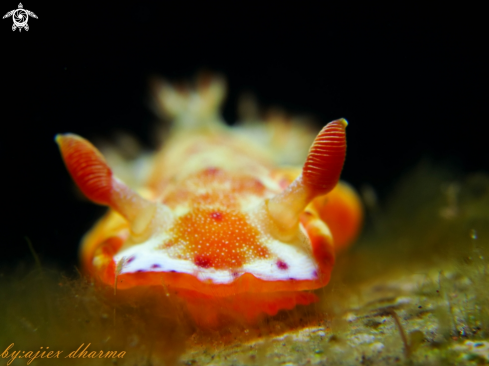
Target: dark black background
411,80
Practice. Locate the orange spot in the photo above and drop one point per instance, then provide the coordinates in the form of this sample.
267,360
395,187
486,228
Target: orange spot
217,239
111,246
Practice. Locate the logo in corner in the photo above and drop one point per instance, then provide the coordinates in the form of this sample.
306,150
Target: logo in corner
20,17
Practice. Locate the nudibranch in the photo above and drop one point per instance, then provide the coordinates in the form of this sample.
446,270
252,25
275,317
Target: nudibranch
215,221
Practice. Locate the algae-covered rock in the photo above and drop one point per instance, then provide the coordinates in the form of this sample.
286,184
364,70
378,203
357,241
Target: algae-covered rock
412,291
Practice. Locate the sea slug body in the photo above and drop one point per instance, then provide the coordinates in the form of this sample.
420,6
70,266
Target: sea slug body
219,219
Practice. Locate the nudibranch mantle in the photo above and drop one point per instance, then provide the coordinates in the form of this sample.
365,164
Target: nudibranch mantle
215,218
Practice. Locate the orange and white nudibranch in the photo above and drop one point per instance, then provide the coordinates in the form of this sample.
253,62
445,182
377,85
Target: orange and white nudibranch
215,221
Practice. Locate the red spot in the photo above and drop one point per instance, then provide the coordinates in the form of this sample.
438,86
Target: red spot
212,171
259,187
284,183
202,261
282,265
216,215
130,259
155,266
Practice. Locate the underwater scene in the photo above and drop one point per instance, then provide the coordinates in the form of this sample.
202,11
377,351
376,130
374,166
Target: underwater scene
410,289
239,185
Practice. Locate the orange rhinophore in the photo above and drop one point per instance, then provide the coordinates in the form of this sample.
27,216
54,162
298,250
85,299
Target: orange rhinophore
217,217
